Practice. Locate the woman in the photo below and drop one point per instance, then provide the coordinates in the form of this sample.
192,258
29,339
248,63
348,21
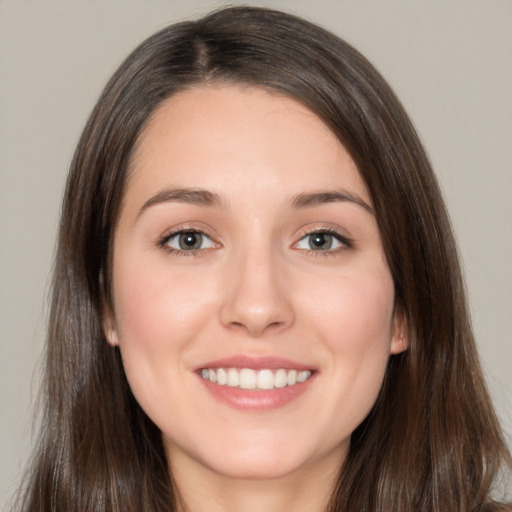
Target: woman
257,303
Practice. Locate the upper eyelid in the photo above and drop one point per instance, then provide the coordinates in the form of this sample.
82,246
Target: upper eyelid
323,229
163,241
186,229
344,239
306,231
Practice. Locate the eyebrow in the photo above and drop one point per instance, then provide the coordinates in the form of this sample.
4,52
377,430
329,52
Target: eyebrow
309,199
210,199
184,195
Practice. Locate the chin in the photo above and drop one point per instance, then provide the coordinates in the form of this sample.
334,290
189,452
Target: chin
270,460
258,468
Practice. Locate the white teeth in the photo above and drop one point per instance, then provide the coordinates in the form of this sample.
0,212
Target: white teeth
302,376
265,379
222,377
291,378
247,378
280,379
232,378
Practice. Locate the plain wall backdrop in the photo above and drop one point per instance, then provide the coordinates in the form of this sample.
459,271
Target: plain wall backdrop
449,62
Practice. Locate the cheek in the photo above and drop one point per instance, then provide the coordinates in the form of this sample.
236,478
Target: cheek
354,318
364,325
157,317
353,307
153,305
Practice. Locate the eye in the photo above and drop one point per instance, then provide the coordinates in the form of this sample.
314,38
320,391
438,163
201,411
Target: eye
322,241
187,241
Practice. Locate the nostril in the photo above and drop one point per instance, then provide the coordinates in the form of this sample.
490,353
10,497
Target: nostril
256,329
255,308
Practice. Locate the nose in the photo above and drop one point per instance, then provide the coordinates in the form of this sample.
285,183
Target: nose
255,296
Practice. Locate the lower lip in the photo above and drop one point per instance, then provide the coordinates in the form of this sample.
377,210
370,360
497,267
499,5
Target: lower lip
254,400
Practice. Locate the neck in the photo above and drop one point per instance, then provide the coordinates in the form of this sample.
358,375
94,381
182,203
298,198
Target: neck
307,489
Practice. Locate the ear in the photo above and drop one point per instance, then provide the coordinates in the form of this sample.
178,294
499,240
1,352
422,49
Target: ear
108,321
109,327
111,336
400,332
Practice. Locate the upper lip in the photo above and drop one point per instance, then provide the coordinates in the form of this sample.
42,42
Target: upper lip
255,363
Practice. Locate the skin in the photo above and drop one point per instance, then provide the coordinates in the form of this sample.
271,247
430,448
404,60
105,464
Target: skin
255,288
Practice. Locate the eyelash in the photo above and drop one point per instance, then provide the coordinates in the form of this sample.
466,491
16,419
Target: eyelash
162,243
346,242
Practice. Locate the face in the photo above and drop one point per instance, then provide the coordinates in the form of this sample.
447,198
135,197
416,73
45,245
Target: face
253,305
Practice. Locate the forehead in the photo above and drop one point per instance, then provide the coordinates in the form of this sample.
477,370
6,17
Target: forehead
234,139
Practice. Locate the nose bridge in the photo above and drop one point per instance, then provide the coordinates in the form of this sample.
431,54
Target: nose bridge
255,297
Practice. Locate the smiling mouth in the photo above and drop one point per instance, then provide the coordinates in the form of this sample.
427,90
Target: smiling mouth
254,380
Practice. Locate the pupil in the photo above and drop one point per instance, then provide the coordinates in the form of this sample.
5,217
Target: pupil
190,241
321,241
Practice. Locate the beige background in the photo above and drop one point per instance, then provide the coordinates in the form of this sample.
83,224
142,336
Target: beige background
450,63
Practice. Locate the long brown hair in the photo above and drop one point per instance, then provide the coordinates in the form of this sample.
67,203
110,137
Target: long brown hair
431,442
